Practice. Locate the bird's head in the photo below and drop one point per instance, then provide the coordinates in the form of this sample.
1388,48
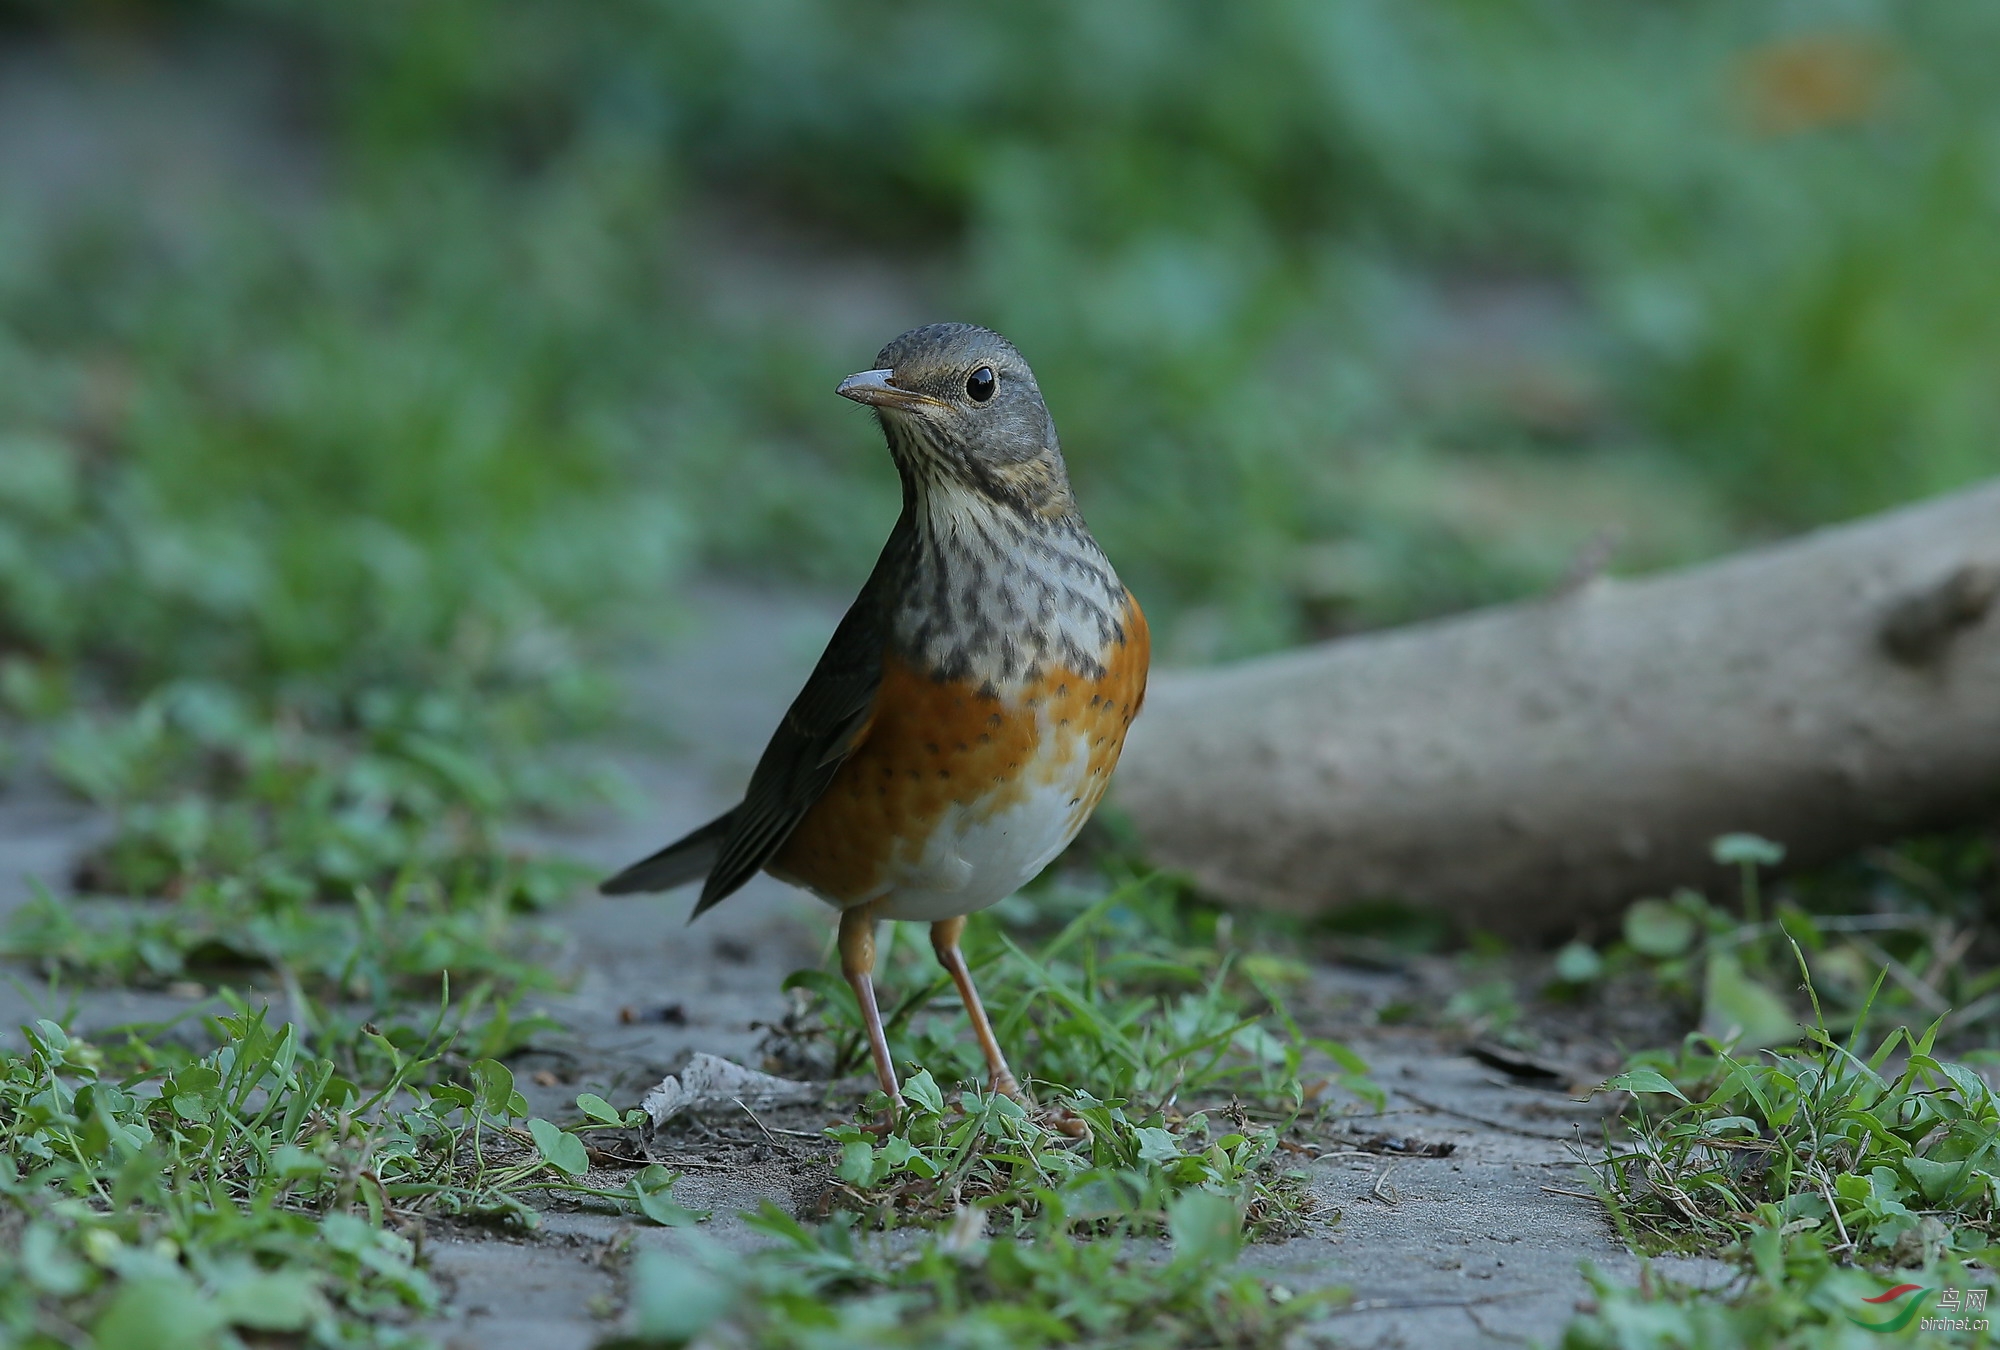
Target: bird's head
960,408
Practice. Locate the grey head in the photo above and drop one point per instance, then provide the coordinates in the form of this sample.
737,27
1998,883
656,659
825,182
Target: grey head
959,407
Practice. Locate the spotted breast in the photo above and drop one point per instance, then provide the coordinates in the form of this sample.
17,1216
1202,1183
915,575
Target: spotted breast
1015,661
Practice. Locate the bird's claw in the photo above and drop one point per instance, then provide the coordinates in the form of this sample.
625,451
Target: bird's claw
1058,1118
1066,1122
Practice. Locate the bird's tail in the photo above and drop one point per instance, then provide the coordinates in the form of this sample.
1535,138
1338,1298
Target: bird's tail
686,859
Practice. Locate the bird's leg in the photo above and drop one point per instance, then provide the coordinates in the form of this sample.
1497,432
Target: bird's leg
857,963
944,941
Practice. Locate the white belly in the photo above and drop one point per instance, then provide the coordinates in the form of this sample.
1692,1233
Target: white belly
977,857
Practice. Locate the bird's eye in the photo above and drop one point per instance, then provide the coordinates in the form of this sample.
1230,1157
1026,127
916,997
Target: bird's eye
981,383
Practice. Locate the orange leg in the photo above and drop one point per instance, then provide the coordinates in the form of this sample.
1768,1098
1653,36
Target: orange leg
944,941
857,963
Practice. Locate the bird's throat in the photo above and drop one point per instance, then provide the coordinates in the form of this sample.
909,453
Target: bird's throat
999,596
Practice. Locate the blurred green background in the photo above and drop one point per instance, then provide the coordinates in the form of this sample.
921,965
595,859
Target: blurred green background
342,342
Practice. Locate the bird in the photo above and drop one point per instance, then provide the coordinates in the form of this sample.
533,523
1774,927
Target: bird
968,712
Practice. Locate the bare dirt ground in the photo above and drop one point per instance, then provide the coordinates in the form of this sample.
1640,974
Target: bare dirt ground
1457,1216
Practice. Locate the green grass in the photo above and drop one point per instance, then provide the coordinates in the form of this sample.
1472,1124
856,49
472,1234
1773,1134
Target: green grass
1891,1159
321,455
1826,1175
1132,991
991,1153
266,1185
1827,1166
1787,1294
1893,932
1819,1158
354,849
257,1189
1178,1057
1121,997
829,1287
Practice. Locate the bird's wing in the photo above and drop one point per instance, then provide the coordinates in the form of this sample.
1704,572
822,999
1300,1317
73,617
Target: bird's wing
689,858
825,723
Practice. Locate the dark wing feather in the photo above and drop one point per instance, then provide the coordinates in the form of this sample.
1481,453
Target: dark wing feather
822,727
688,858
825,723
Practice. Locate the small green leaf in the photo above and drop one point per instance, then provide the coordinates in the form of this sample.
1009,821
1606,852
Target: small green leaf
922,1090
857,1163
1008,1107
1643,1080
1205,1228
898,1153
1578,963
273,1300
1658,929
1735,849
347,1233
1972,1089
564,1152
454,1095
653,1193
598,1109
195,1078
1939,1181
49,1267
1729,1125
290,1162
158,1313
1736,1007
1157,1146
674,1299
495,1084
1340,1055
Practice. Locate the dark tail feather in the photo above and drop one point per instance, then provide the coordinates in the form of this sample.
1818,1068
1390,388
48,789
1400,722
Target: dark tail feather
686,859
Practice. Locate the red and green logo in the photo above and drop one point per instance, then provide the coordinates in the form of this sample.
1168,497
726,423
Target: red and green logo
1888,1300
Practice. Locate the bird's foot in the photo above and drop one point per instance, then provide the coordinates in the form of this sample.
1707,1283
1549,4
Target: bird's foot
1058,1118
1064,1122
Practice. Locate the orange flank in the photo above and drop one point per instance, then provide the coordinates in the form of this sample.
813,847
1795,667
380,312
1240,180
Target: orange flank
933,745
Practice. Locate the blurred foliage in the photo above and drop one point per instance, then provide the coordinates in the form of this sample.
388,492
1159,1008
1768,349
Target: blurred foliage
256,1189
309,449
1900,932
428,335
1787,1294
361,857
203,791
829,1287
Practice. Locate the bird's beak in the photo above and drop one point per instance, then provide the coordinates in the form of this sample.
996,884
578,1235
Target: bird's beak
873,388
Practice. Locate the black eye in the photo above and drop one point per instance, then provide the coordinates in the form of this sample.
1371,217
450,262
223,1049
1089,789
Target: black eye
981,383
